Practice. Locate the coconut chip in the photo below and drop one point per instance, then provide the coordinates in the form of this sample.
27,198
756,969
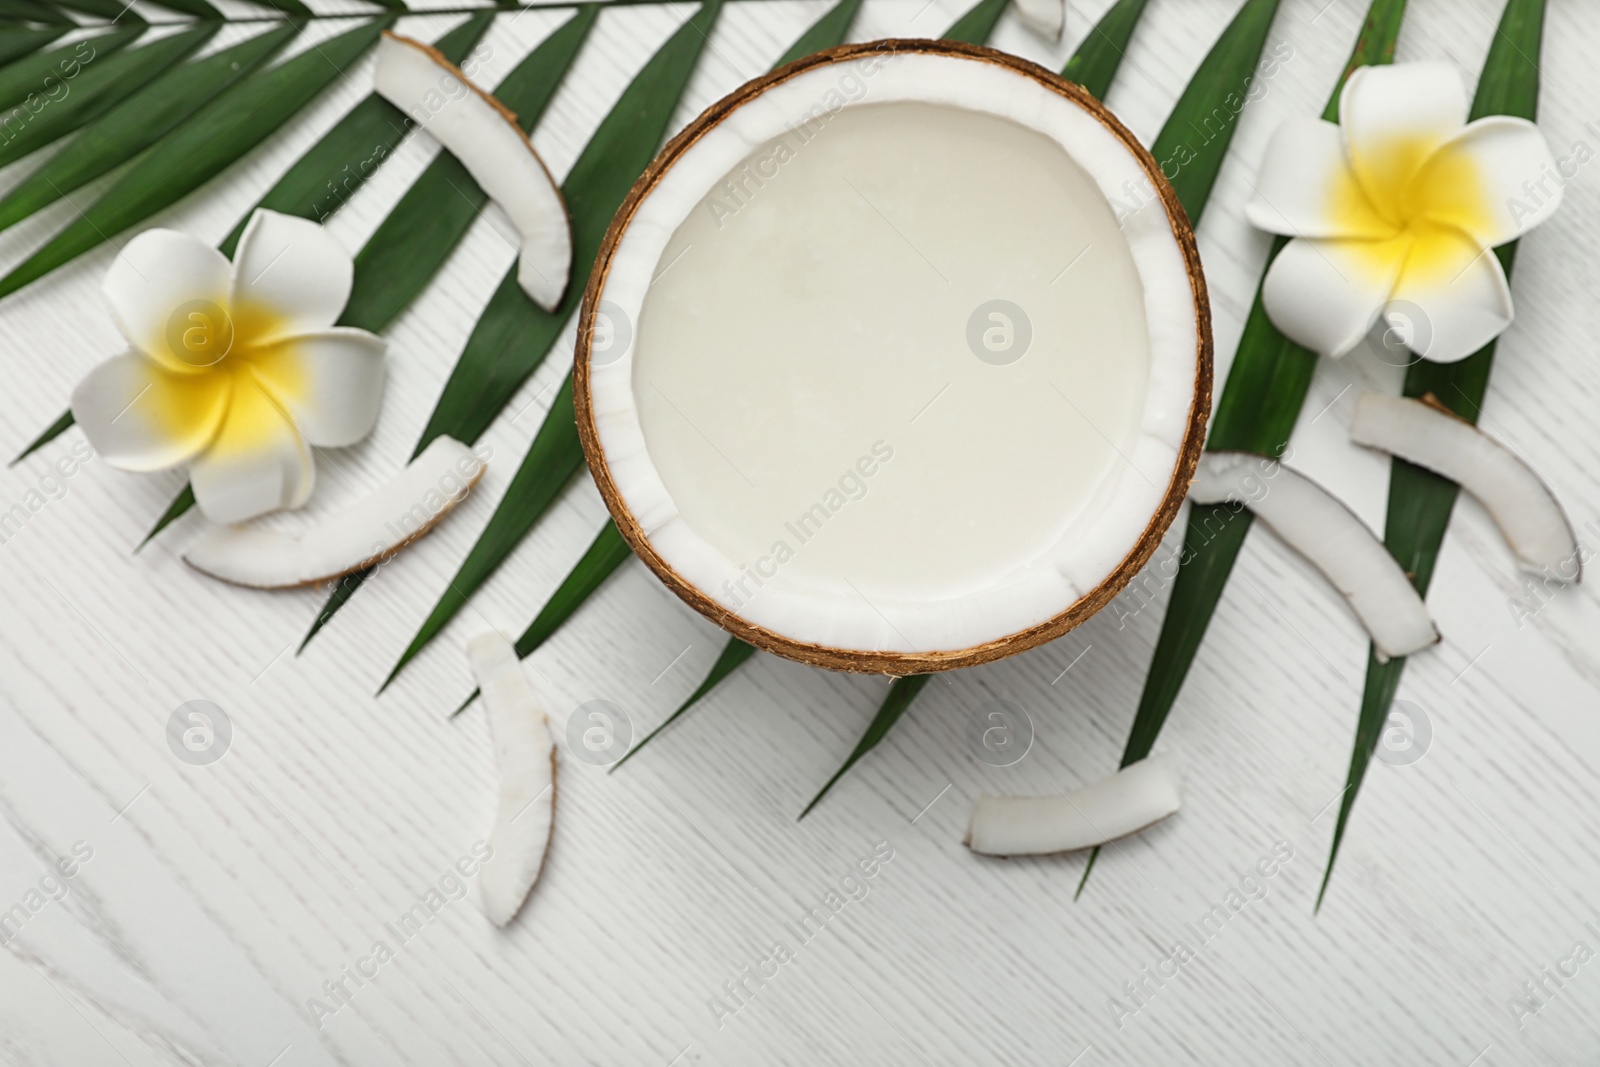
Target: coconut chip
485,137
526,757
1424,432
1045,17
372,530
1137,796
1320,527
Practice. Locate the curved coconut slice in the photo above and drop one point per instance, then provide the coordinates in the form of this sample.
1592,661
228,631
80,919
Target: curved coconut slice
1045,17
1320,527
1426,433
1134,798
480,132
956,384
526,758
374,529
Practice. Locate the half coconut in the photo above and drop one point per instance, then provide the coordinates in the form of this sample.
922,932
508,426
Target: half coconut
897,359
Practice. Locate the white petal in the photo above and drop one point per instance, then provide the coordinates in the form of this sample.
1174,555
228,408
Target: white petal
257,464
156,283
290,276
330,382
1393,117
1487,180
1453,294
1326,294
140,416
1045,17
526,757
1307,189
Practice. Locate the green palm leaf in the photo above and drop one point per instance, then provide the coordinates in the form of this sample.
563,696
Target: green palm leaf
138,122
28,75
1094,65
1420,501
513,335
33,11
1256,412
101,86
220,133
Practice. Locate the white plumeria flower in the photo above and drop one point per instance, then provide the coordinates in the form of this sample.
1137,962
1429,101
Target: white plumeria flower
1394,211
237,368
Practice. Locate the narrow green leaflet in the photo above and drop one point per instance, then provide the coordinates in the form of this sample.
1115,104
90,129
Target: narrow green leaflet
180,504
513,334
1256,412
901,693
331,171
831,29
1094,64
218,135
35,74
138,122
14,44
33,11
734,653
974,28
101,86
1420,501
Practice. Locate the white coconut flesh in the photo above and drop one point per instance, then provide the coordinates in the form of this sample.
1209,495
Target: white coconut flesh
1321,528
1136,797
809,401
369,531
485,137
526,758
1527,513
1045,17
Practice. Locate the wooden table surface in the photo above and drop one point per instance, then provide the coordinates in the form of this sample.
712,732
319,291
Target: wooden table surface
216,900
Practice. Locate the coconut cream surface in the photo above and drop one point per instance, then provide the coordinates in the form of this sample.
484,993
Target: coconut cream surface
871,371
897,351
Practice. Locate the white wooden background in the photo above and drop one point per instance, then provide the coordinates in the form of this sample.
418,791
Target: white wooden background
219,898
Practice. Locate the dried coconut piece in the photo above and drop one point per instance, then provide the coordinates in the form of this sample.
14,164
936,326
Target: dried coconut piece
1134,798
1045,17
372,530
479,131
1320,527
526,758
1424,432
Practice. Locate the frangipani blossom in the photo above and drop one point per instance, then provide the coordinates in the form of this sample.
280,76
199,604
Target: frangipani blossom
236,369
1394,211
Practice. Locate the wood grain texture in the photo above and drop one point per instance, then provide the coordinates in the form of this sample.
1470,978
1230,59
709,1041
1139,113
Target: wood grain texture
219,898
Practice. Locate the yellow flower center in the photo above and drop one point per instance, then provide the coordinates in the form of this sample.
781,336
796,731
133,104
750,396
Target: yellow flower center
226,378
1419,201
